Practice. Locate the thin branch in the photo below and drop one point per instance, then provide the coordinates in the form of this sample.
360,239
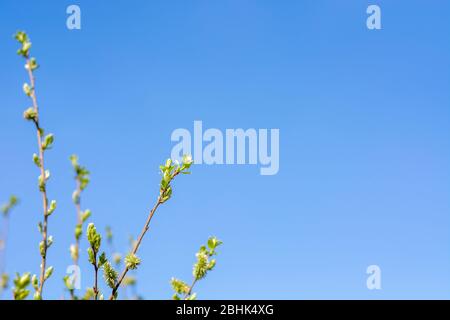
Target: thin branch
95,288
191,288
141,236
42,169
136,247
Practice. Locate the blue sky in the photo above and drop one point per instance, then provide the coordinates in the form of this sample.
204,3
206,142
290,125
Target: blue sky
364,151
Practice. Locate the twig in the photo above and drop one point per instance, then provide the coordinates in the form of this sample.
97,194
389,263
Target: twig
136,246
191,288
169,173
42,169
95,288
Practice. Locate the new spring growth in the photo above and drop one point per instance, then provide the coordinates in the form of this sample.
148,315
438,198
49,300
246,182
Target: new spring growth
21,283
42,247
81,173
82,180
44,143
22,38
132,261
24,50
110,275
7,207
95,241
169,171
203,265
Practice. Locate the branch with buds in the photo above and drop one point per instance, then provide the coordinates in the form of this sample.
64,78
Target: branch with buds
203,265
45,142
98,260
168,171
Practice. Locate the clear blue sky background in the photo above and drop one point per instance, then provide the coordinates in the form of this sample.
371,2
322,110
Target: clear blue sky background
364,119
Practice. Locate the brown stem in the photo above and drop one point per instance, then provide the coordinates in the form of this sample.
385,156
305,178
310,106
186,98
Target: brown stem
190,288
95,288
136,246
141,236
42,169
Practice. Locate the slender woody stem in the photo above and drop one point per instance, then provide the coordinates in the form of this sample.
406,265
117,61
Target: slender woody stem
141,236
191,288
42,169
95,288
136,246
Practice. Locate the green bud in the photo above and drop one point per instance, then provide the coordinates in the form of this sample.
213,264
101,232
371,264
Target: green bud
102,260
20,294
48,141
91,256
78,231
74,159
27,89
85,215
42,248
89,295
187,161
49,241
26,45
21,282
43,180
52,207
35,282
132,261
201,267
211,264
166,194
31,64
93,237
30,114
67,282
84,181
110,275
36,160
179,286
21,36
48,273
213,243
